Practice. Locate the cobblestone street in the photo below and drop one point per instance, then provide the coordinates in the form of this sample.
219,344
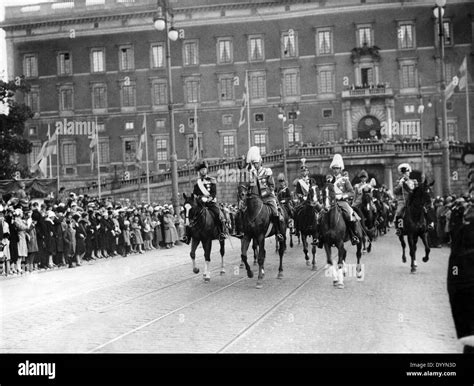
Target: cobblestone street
153,303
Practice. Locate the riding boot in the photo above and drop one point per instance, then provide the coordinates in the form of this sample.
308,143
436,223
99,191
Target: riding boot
220,229
276,224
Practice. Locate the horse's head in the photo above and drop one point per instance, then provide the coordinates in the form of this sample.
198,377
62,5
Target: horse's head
191,205
329,194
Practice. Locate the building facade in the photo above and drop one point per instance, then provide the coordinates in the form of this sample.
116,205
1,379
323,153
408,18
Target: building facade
357,70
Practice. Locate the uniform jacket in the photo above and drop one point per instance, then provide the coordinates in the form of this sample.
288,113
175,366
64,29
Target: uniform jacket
265,181
401,191
302,187
359,191
343,188
209,184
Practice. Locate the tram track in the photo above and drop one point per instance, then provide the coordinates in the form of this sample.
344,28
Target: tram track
236,337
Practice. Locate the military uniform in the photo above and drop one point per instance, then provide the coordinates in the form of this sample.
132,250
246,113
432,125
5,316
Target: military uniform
206,189
403,188
344,192
302,188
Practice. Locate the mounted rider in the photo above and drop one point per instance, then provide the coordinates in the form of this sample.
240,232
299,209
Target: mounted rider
262,183
283,192
344,192
361,188
403,188
206,189
303,184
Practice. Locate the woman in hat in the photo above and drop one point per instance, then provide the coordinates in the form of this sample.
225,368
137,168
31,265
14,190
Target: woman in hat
32,242
4,243
136,228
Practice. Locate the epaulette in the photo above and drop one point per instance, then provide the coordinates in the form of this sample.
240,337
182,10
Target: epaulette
212,179
268,172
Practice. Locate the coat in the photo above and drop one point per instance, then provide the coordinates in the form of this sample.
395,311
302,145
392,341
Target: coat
32,240
81,235
21,227
171,234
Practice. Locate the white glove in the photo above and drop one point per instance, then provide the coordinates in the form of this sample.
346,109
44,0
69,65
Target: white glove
204,199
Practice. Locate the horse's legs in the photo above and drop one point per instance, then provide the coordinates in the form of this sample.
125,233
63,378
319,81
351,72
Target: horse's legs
402,241
243,254
412,240
424,238
222,251
207,245
359,272
340,264
255,251
313,251
305,247
281,253
194,245
261,260
332,267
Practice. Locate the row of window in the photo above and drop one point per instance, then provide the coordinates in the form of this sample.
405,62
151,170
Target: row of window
367,74
225,50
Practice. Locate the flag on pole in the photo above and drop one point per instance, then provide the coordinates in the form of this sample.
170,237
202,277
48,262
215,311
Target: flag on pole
94,144
141,142
41,162
245,100
195,156
51,146
463,74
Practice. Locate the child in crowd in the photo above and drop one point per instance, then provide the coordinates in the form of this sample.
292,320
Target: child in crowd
137,233
126,238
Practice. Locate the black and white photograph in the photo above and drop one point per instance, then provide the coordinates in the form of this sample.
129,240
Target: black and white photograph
221,179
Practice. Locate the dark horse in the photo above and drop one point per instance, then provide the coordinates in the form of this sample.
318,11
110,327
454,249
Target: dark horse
256,222
334,233
203,230
382,212
461,272
368,220
306,220
414,221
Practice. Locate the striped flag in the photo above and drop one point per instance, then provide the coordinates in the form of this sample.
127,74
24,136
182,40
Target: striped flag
141,142
41,162
463,74
245,100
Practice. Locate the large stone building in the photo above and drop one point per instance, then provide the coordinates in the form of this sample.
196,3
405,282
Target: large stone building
336,69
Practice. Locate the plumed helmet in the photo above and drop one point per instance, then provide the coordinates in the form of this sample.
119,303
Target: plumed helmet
303,165
281,177
337,162
253,155
372,182
363,173
200,165
403,168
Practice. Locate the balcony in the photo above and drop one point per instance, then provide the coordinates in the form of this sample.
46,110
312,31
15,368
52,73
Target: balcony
355,92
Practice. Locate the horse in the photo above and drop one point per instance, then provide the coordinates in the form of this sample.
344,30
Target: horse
203,230
334,233
257,225
368,221
306,223
414,224
382,214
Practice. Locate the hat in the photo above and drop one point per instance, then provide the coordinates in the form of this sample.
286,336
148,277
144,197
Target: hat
201,165
337,162
281,177
372,182
363,173
17,212
253,155
403,168
126,222
303,164
76,216
50,214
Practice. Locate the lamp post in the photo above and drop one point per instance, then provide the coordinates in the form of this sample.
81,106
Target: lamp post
438,13
161,24
282,117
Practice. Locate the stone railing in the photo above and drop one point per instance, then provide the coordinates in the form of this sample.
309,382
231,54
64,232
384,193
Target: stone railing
276,158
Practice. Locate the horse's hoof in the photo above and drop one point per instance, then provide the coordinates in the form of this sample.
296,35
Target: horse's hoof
249,274
314,268
222,272
259,285
425,259
415,264
335,283
413,270
196,270
207,279
280,275
404,259
308,263
340,285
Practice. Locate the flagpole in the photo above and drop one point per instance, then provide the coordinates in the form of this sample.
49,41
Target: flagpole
467,110
248,108
146,155
98,155
58,150
50,160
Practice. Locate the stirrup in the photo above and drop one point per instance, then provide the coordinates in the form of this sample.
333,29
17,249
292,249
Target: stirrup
355,240
279,236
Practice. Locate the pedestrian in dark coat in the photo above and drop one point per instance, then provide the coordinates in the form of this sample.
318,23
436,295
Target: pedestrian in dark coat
50,239
81,235
32,243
